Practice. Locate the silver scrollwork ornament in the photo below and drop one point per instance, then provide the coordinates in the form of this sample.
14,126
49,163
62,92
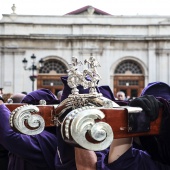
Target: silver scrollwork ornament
80,127
24,120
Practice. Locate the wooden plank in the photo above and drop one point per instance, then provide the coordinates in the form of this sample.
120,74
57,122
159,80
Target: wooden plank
117,118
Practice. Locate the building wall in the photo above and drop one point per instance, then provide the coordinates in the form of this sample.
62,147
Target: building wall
111,39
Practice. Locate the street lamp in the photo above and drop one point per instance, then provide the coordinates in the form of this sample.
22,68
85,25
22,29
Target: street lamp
33,68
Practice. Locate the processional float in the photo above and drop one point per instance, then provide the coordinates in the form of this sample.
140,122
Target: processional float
90,121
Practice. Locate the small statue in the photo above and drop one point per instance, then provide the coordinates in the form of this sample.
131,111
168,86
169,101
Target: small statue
92,73
74,76
13,9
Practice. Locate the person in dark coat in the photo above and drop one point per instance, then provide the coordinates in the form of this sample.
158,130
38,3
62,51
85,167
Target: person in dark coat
29,152
158,146
16,98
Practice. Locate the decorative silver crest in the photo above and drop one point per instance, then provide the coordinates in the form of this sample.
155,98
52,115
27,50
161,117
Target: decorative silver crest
88,78
82,123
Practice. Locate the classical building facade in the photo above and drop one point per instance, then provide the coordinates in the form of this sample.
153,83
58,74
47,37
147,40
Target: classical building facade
132,50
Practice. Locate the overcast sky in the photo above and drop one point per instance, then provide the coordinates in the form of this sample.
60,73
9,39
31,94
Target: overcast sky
61,7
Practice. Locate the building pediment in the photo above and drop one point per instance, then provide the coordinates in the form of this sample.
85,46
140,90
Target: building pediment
88,10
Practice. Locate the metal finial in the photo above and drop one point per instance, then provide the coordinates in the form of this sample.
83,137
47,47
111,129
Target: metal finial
42,102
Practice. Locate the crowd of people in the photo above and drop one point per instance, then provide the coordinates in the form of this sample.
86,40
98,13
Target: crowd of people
48,150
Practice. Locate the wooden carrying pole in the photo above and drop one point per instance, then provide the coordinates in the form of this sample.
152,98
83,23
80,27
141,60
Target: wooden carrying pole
117,118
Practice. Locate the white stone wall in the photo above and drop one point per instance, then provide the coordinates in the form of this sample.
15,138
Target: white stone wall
111,39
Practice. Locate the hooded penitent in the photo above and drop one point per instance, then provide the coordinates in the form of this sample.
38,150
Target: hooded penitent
157,89
158,146
34,97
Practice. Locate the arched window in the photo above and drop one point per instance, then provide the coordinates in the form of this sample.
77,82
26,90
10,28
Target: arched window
53,65
129,78
128,66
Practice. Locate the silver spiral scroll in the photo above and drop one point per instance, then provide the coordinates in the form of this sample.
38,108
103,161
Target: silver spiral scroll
80,127
24,120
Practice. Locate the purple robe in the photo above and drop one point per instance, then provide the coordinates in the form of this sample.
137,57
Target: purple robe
132,159
65,157
27,152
